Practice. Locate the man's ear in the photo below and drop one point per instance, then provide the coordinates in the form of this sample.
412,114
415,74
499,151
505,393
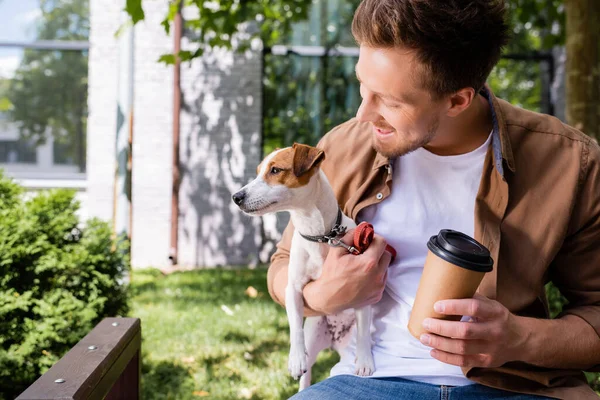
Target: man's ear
306,158
460,101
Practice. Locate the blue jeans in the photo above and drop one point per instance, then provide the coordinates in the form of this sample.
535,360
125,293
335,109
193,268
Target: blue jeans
349,387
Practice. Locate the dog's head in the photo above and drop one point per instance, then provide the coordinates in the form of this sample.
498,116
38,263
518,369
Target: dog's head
284,181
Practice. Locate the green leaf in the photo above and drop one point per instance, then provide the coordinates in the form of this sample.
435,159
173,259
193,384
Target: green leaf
166,24
168,59
185,55
135,10
5,104
124,26
170,17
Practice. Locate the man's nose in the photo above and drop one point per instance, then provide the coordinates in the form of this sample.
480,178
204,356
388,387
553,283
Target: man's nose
366,112
239,197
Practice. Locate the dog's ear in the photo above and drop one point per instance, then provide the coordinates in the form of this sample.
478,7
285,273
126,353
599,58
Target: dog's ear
306,158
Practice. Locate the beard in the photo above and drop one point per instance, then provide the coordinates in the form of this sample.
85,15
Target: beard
403,147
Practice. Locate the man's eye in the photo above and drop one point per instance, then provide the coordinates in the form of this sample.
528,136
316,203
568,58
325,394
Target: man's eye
275,170
392,105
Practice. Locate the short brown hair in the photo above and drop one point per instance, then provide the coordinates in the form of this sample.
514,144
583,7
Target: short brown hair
457,41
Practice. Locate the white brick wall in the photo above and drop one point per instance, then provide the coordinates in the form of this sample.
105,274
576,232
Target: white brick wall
102,103
220,143
153,127
220,149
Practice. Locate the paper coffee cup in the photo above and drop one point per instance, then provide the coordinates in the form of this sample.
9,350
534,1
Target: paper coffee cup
454,268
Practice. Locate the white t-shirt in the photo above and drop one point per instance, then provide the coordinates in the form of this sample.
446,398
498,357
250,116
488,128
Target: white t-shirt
429,193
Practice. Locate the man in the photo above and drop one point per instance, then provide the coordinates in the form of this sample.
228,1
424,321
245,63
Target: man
432,148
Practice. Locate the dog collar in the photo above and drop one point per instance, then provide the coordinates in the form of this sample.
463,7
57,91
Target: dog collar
333,238
334,233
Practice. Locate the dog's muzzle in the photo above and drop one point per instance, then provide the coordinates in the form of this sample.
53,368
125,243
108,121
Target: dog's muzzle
238,198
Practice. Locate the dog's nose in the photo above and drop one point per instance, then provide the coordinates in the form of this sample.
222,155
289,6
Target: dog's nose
239,197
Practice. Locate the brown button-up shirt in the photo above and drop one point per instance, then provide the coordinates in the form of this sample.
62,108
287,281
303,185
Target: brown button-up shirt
537,210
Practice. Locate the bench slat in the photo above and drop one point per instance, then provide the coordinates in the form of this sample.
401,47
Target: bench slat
88,373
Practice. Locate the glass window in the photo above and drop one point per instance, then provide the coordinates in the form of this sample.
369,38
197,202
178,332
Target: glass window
306,96
17,151
19,20
43,92
31,20
328,24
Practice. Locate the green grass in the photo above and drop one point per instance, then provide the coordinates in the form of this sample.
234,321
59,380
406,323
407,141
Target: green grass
192,347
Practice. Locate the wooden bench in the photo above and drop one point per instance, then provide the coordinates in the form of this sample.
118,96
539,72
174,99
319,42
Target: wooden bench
105,364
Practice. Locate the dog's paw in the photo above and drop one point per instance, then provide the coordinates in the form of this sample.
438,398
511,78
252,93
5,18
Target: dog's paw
297,362
365,366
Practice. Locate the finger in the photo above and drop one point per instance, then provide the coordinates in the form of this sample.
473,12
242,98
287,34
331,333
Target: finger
385,260
348,237
480,308
459,360
384,277
376,248
456,329
382,266
455,346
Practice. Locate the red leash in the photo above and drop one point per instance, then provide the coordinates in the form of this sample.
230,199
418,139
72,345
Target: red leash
363,236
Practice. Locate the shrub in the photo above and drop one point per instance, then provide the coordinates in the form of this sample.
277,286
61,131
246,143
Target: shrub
57,280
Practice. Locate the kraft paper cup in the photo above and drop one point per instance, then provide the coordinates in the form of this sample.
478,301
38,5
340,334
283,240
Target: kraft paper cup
454,268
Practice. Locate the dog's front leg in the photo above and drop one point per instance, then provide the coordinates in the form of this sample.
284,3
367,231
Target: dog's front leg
365,366
294,306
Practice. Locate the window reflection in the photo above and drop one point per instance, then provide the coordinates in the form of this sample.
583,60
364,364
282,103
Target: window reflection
43,93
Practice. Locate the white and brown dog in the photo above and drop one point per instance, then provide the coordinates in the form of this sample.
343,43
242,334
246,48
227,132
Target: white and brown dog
290,180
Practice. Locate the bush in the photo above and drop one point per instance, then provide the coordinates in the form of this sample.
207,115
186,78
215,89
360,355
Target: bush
57,281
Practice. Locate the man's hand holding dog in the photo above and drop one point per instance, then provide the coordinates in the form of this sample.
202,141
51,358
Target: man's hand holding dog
348,280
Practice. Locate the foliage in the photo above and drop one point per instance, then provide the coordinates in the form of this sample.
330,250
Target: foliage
544,19
556,301
229,23
518,82
537,26
57,280
309,101
5,103
134,9
47,95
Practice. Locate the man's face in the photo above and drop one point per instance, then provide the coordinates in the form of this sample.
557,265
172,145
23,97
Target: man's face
402,113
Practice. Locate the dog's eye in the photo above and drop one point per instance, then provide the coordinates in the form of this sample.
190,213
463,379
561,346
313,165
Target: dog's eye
275,170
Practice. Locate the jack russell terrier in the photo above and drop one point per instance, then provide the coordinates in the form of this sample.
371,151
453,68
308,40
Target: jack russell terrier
290,180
